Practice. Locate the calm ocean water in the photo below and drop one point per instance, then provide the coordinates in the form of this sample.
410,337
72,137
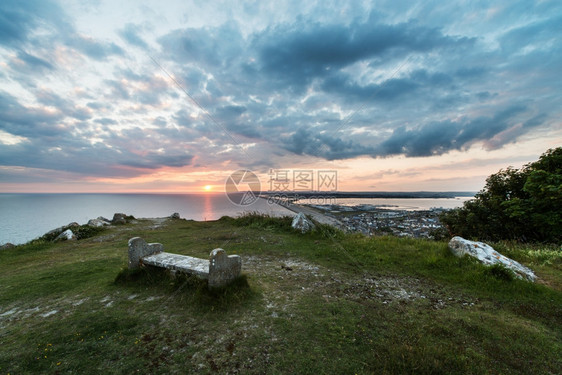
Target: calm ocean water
28,216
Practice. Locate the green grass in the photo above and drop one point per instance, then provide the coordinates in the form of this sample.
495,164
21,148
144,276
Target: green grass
319,303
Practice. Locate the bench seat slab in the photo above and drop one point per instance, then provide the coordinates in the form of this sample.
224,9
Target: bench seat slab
182,263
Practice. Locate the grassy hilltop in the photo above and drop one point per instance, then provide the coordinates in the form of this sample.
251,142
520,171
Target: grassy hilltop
324,302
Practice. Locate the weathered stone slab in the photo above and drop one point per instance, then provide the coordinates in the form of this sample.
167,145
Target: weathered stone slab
487,255
138,249
223,269
182,263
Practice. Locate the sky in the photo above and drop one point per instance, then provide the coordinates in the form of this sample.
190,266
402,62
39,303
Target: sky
174,96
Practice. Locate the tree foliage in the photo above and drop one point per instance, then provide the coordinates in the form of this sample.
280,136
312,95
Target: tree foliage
521,204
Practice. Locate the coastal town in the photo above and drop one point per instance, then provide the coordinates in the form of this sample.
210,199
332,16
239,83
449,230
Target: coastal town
374,220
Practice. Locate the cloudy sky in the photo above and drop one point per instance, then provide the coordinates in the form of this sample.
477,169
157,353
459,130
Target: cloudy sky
171,96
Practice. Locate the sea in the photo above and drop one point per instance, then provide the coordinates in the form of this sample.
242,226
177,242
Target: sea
25,217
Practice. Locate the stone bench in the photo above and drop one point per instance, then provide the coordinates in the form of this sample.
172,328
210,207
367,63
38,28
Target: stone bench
219,270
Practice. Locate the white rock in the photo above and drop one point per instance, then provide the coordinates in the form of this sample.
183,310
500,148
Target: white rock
300,222
97,223
487,255
47,314
66,235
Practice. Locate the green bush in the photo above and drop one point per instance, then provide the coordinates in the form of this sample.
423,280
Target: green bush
516,204
86,231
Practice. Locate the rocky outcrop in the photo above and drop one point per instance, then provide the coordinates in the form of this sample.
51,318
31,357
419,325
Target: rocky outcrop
55,233
302,224
7,245
75,231
119,218
97,223
67,235
487,255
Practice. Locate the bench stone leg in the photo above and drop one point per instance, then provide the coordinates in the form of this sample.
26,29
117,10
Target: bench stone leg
138,248
223,269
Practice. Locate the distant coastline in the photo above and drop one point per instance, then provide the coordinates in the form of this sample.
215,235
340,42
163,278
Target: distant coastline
304,194
29,215
371,194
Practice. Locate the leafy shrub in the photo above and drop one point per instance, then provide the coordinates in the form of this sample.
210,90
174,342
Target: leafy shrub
519,204
86,231
439,234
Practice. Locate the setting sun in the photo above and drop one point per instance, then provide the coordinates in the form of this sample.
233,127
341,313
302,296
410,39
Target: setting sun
208,187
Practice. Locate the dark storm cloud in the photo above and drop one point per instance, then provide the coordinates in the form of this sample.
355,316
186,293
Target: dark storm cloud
235,122
34,63
304,141
95,49
439,137
19,18
156,160
160,121
293,55
77,155
391,89
230,111
144,89
486,127
66,106
300,52
106,121
27,122
433,138
118,89
531,34
329,84
209,47
97,105
130,33
49,144
19,21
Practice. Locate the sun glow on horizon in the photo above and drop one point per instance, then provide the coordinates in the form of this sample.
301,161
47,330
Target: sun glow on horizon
208,188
